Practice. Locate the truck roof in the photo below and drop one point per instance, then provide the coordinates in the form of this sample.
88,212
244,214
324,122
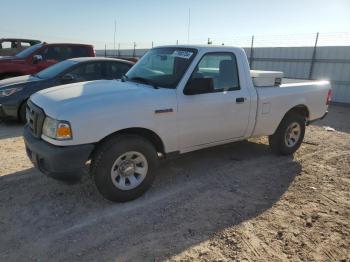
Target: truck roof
68,44
203,47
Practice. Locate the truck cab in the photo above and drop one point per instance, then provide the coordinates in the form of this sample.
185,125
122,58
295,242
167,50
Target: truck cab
174,100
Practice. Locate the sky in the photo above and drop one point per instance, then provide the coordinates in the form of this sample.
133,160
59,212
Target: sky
165,21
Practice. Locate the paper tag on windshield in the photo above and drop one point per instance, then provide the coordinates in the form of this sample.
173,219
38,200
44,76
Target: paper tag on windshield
183,54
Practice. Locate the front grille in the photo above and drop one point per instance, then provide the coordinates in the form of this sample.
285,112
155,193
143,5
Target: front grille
35,118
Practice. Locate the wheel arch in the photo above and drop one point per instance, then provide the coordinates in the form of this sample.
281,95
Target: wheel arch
300,110
148,134
20,106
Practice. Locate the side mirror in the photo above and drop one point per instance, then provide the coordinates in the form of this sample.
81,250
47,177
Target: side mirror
67,78
198,86
37,58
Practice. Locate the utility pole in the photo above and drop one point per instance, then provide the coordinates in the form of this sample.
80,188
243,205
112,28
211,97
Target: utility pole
189,25
115,32
313,58
251,58
134,53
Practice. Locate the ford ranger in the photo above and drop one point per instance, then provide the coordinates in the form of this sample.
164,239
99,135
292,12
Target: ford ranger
176,99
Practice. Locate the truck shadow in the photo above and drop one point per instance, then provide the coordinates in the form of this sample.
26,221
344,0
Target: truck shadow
193,197
10,129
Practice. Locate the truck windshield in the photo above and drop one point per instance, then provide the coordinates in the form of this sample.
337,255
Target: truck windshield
55,69
26,52
162,67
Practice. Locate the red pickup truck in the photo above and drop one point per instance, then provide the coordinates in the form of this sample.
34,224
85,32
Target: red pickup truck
40,56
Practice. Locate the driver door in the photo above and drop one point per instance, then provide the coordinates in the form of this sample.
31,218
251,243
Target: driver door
50,56
219,115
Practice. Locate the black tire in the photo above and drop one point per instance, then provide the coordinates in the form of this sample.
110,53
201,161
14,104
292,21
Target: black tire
278,142
22,112
104,158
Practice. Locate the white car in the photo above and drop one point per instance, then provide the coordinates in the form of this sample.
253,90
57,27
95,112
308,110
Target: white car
176,99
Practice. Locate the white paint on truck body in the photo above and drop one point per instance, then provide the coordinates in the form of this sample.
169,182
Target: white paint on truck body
97,109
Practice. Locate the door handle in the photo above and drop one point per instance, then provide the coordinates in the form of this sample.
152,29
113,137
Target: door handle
240,100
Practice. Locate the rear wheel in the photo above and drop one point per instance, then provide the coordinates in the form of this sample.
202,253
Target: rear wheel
289,135
123,167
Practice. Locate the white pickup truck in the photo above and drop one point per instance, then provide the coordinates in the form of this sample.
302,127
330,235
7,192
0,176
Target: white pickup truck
176,99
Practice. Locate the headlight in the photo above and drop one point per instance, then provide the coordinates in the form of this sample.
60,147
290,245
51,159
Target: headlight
9,91
57,129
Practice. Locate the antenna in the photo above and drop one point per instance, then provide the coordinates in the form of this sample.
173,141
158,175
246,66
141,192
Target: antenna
189,25
115,32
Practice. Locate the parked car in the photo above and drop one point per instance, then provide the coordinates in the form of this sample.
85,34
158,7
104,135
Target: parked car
11,46
15,91
38,57
176,99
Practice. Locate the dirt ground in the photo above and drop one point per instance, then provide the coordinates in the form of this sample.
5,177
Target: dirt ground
234,202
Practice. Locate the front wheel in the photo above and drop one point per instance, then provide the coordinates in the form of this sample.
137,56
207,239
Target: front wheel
289,135
123,167
22,112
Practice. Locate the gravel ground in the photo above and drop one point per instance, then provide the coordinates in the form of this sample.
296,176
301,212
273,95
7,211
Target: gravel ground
233,202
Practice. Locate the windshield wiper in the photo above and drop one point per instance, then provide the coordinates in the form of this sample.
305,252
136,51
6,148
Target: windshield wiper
144,80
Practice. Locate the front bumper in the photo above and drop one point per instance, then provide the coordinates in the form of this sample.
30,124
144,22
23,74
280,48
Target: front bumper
64,163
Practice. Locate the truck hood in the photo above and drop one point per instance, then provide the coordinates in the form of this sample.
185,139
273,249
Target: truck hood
75,97
18,80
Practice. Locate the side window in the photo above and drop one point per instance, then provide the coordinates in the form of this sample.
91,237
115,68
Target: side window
117,70
65,52
87,72
6,44
221,68
58,53
25,44
80,51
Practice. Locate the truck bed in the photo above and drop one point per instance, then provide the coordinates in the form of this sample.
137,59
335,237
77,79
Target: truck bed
275,101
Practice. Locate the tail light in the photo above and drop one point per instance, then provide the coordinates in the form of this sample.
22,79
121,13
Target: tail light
329,97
